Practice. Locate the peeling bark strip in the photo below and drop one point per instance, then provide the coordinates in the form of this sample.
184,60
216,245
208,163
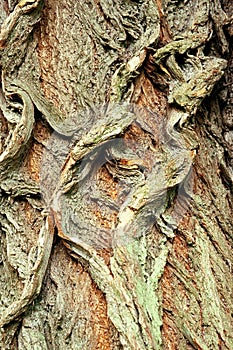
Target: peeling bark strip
116,174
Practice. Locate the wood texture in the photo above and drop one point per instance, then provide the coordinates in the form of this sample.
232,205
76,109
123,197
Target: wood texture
116,174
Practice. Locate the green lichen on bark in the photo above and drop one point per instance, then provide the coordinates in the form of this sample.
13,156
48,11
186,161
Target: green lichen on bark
58,63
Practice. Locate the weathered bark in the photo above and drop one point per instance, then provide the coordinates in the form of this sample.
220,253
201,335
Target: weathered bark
116,174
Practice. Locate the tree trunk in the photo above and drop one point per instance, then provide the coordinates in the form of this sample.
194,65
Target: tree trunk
116,173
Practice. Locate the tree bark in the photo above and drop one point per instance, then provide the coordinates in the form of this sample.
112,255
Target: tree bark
116,171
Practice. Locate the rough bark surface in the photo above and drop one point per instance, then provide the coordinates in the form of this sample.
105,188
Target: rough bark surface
116,172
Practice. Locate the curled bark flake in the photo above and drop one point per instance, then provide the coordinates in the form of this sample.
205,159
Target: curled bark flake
22,8
32,284
21,133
